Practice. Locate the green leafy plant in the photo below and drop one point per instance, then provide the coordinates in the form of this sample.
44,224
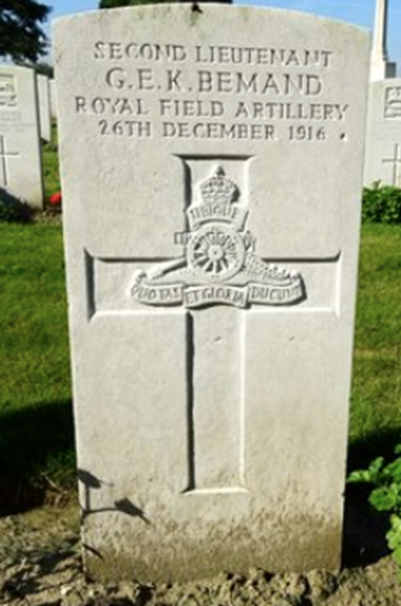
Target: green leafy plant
381,204
385,496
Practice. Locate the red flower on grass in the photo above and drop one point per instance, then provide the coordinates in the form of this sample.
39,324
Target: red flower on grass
55,199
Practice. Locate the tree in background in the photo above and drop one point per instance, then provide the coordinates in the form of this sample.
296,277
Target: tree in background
21,36
45,69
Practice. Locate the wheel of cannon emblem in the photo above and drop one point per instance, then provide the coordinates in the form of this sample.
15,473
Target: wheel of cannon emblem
216,252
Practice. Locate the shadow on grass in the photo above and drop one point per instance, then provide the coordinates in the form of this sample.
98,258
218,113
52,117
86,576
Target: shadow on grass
36,444
364,528
13,210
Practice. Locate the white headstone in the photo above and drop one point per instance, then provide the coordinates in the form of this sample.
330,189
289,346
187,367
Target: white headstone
20,152
53,99
383,136
44,107
381,67
212,172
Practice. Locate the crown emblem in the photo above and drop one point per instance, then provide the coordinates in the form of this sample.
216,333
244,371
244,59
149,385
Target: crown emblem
219,188
218,202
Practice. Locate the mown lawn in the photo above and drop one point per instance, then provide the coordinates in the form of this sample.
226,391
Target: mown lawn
36,432
36,435
375,424
51,174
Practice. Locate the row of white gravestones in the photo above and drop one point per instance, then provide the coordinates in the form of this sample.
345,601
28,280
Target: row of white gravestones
383,136
212,170
24,121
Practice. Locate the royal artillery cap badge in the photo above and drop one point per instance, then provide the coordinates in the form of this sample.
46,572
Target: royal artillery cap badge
219,265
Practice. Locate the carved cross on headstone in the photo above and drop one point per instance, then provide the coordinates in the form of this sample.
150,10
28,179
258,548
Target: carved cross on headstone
223,291
220,268
396,164
4,156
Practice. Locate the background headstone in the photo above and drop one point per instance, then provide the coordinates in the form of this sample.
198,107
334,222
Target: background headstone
53,99
383,135
381,67
211,242
44,107
20,152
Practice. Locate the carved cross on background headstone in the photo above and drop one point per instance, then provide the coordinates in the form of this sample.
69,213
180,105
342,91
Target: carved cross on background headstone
395,161
4,156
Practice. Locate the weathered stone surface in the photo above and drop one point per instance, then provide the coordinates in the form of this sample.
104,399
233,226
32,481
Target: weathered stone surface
41,565
44,107
383,136
20,154
212,168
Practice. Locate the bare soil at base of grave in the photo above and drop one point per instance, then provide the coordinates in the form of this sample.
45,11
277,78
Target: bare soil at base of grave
40,565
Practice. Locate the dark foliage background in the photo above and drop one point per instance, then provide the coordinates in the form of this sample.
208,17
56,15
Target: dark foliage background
21,36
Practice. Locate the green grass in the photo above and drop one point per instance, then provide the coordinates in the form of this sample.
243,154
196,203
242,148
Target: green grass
375,425
35,395
33,340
